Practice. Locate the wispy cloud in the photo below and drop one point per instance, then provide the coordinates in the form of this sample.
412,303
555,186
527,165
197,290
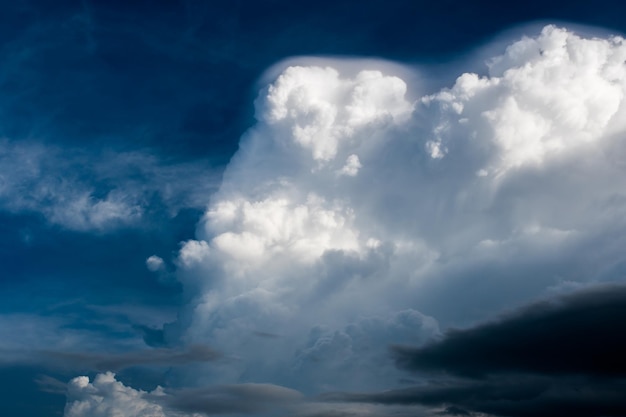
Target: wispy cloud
51,385
97,190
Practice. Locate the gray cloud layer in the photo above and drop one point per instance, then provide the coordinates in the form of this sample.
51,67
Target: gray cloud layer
118,361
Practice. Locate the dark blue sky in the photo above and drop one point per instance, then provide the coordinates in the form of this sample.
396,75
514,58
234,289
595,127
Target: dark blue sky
152,98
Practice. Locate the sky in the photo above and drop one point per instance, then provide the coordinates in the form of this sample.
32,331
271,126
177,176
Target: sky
312,209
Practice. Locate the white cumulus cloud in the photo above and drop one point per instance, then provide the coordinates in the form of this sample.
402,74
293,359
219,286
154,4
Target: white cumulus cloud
544,97
320,109
107,397
155,263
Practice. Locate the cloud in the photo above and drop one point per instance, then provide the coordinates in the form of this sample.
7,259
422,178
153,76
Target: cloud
155,263
118,361
321,109
51,385
96,191
526,122
273,227
348,353
554,357
580,333
354,215
22,334
63,344
107,397
243,398
348,200
34,179
512,397
72,336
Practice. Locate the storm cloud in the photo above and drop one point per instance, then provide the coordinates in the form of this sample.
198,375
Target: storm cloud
312,208
580,333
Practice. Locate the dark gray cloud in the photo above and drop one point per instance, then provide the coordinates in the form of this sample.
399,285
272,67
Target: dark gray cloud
581,333
117,361
554,357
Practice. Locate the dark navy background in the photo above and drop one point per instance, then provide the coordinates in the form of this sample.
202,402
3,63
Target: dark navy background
177,79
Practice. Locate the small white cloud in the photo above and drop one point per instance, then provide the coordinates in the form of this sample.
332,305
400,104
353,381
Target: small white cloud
193,253
352,166
155,263
435,150
107,397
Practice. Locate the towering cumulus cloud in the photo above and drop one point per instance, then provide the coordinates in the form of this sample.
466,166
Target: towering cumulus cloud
347,202
353,217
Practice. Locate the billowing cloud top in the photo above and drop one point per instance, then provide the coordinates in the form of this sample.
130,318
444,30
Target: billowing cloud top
544,97
352,217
